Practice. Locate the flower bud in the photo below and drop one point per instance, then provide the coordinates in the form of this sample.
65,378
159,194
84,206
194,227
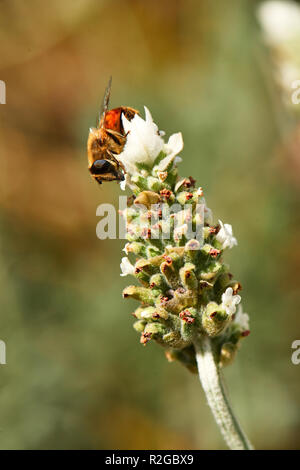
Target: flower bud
174,339
214,319
139,293
136,248
186,356
228,353
170,274
155,331
140,182
158,281
211,271
139,325
188,276
154,184
147,199
185,197
192,251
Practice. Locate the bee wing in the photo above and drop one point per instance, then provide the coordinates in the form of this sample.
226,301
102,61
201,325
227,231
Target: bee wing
105,102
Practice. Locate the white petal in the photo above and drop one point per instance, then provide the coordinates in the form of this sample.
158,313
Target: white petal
229,301
126,248
177,160
242,319
225,236
200,192
149,118
123,185
165,162
179,183
280,20
175,144
227,294
143,142
126,267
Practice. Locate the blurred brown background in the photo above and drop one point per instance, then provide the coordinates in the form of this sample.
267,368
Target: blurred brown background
76,375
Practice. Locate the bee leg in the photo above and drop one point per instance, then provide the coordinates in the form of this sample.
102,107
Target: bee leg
114,133
120,164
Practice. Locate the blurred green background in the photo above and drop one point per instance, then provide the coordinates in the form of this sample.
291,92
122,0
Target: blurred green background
76,375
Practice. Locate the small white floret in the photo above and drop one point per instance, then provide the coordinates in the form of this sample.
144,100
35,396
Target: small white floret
230,301
225,236
126,267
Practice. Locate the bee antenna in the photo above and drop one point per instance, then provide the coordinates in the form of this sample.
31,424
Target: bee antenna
105,102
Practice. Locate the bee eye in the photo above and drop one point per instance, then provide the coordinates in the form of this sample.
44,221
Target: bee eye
101,166
129,114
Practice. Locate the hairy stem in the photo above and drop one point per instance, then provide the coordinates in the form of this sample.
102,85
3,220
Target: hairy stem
211,381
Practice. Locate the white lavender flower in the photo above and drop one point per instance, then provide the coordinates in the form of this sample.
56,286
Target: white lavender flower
143,143
225,236
230,301
126,267
242,319
179,279
125,249
280,20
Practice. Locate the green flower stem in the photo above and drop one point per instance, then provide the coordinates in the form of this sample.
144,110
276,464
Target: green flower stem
210,378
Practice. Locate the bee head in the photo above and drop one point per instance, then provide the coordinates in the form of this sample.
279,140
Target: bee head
106,170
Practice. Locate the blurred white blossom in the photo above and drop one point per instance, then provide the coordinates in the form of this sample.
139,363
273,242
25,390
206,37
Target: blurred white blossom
280,21
242,319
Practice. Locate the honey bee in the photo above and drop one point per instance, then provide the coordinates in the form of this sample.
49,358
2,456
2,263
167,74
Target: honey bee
108,140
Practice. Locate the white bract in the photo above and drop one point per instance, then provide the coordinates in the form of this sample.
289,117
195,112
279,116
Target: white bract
143,142
126,182
225,236
126,248
126,267
174,145
230,301
242,319
200,192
